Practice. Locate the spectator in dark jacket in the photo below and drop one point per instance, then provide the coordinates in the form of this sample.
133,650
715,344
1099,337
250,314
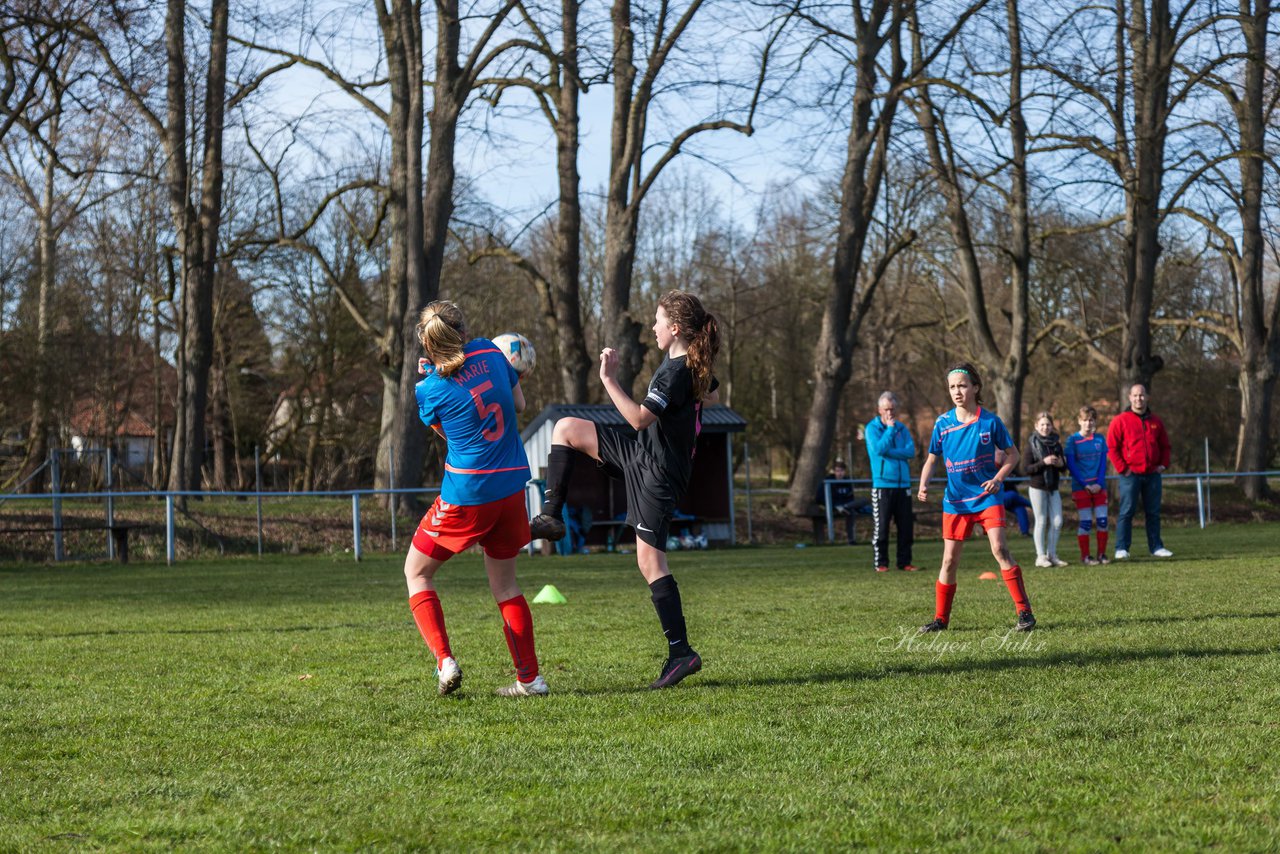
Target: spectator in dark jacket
1044,462
843,501
1139,449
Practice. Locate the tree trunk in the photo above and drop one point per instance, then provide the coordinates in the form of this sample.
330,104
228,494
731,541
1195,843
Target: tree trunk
575,366
1152,43
404,211
199,248
430,223
622,209
859,190
1259,328
41,406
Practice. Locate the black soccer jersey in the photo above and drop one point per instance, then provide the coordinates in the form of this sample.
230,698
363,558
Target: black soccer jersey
671,439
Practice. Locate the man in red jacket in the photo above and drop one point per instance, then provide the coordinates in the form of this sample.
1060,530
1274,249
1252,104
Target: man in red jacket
1139,450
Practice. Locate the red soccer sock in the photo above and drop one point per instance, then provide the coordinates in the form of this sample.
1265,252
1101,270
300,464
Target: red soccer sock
429,616
517,627
1013,580
1102,543
1083,540
944,594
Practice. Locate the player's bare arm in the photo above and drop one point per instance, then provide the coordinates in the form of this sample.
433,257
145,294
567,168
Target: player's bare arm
636,415
926,472
996,483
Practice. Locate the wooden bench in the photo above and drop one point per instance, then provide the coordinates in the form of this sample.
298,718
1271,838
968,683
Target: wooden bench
119,534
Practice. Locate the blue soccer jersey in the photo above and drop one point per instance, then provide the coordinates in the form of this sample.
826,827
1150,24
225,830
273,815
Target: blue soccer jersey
476,411
969,450
1087,460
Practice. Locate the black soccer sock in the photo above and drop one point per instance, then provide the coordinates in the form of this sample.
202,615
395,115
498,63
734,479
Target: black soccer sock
559,467
666,601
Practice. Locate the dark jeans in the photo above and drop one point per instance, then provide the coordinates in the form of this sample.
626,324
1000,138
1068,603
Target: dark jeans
1148,489
892,505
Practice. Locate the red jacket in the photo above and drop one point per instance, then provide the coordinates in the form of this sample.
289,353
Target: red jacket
1138,443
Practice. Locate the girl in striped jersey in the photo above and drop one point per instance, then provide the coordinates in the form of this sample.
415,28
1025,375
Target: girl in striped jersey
1086,454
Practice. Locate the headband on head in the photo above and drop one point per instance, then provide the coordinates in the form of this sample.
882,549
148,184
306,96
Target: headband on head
959,371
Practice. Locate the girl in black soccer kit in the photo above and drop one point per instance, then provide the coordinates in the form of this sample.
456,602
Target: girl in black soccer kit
654,457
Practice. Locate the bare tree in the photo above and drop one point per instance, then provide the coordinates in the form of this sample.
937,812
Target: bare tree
418,221
1252,326
64,146
881,74
635,93
195,202
556,91
1007,365
1135,95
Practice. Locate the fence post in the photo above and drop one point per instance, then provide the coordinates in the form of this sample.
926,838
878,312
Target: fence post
56,472
746,457
733,522
257,488
355,522
168,528
831,524
391,498
111,512
1200,499
1208,487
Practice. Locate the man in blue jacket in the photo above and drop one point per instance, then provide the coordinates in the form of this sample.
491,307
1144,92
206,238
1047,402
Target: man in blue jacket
889,447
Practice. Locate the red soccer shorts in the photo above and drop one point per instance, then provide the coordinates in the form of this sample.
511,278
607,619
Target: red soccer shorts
500,527
1085,499
958,526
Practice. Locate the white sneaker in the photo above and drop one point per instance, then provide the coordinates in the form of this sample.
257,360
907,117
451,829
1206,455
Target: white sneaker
1122,554
1043,562
1162,552
1057,561
536,688
450,676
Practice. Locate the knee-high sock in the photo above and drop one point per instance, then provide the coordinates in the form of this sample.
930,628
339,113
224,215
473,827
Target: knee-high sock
429,616
666,601
560,464
1083,540
1102,543
517,628
1013,580
944,594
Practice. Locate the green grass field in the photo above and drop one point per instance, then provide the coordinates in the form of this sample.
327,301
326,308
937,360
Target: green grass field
289,703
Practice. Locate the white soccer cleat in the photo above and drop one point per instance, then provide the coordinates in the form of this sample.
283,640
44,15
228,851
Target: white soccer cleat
536,688
1043,562
450,676
1122,554
1057,561
1162,552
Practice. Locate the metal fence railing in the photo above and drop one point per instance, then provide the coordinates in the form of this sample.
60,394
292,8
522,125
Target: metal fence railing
1202,482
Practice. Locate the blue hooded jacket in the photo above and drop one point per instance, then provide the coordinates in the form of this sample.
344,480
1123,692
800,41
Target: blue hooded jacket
889,448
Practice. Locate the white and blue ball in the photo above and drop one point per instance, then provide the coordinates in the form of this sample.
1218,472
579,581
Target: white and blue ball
518,350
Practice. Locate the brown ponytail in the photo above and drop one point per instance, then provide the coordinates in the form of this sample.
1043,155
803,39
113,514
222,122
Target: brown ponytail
442,330
701,333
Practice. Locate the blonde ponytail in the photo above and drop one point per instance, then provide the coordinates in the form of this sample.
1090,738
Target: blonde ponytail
442,330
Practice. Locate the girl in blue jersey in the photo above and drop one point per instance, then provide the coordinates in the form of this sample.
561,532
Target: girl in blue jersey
1086,454
967,439
653,457
470,396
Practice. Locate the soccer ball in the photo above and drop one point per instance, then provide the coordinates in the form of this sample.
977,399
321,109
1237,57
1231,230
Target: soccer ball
518,350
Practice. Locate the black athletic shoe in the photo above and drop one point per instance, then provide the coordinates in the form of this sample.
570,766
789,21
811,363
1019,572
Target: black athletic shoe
544,527
676,669
935,626
1026,621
